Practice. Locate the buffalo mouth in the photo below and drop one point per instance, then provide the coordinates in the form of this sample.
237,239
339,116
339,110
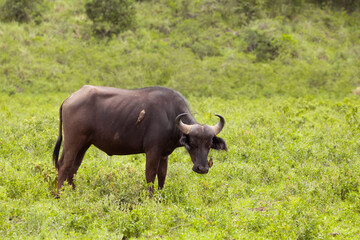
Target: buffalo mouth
200,169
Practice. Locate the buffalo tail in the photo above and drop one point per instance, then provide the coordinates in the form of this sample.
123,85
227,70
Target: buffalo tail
58,143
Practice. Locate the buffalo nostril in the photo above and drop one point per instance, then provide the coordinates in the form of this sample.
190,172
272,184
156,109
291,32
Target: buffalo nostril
201,170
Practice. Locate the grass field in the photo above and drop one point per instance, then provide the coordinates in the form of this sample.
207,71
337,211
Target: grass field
283,80
292,171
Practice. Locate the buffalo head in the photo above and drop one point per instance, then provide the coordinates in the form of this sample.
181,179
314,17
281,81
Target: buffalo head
198,139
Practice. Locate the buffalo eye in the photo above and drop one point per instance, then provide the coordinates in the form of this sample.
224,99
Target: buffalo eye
192,144
185,141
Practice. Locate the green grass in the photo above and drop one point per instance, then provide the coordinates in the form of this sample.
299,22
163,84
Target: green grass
292,171
283,80
315,53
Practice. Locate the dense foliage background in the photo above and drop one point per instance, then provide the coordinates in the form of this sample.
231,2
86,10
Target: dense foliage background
227,47
282,73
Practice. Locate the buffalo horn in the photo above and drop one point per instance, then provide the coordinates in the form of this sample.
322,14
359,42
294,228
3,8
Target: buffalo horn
219,126
184,128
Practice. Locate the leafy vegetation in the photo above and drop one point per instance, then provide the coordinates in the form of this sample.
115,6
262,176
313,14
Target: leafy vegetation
281,74
316,52
21,10
111,16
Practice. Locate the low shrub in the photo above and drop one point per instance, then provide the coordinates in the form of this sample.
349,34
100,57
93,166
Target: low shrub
21,10
111,17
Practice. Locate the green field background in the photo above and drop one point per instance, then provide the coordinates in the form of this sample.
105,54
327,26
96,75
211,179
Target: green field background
284,77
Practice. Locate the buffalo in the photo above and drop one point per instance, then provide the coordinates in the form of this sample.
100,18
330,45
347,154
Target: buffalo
152,120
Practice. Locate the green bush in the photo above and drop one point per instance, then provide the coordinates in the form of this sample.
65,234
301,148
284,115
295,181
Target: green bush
111,17
289,9
21,10
267,40
247,11
348,5
262,41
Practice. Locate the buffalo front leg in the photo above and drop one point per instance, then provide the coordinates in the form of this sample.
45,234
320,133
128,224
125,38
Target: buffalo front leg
162,170
151,169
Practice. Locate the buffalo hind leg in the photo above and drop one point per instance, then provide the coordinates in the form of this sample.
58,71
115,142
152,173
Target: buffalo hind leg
161,174
151,168
66,163
76,165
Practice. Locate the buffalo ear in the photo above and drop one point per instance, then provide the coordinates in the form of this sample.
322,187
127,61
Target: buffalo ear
184,141
218,144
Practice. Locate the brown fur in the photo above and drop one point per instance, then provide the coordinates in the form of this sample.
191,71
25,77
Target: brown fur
122,122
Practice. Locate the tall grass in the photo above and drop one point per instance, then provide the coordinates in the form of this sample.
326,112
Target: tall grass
282,81
291,172
315,53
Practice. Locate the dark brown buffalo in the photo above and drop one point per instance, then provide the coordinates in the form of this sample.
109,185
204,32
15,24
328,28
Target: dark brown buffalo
152,120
